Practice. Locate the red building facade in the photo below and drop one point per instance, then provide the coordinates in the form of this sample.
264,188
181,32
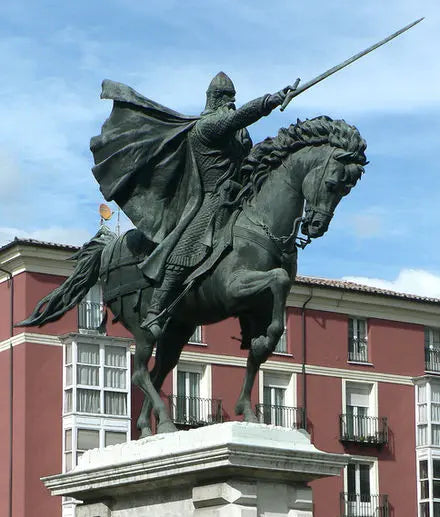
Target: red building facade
358,367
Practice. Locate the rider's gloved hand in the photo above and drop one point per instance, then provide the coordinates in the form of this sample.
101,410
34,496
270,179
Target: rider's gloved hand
276,99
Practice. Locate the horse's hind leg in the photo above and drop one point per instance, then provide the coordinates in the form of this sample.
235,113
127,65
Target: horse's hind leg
168,351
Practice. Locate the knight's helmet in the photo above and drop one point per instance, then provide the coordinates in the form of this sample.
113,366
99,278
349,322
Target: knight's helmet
219,85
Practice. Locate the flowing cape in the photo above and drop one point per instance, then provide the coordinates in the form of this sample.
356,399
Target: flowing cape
144,162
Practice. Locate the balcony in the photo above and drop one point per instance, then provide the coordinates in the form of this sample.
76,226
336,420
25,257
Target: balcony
358,350
432,359
90,315
284,416
364,505
365,430
195,411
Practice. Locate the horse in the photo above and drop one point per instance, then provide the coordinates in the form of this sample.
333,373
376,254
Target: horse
295,178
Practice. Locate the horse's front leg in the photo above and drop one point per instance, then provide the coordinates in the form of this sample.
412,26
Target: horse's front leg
264,337
141,378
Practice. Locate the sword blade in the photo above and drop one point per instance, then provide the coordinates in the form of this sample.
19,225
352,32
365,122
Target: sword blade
347,62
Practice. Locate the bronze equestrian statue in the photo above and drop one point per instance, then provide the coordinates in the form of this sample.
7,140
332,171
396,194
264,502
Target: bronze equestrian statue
217,222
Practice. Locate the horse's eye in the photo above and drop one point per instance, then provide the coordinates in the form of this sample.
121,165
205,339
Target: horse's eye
331,185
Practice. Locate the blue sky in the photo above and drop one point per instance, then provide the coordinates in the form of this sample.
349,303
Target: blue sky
54,55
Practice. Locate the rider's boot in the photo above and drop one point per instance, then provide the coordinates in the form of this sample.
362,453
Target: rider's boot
162,297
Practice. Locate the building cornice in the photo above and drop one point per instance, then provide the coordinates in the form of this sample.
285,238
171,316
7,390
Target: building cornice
48,339
36,259
362,304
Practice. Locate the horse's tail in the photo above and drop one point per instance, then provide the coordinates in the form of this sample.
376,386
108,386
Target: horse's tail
72,290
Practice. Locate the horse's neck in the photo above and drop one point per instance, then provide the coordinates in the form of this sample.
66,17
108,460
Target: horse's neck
280,200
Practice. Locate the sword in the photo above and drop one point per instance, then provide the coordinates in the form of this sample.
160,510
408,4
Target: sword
294,92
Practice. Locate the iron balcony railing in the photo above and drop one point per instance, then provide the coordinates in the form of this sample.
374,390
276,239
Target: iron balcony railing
364,505
358,350
283,416
90,316
432,359
195,411
368,430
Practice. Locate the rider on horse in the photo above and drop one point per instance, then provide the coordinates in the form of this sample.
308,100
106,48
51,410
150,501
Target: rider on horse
171,174
219,141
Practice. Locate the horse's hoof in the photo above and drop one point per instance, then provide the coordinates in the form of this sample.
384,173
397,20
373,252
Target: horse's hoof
249,416
166,427
145,432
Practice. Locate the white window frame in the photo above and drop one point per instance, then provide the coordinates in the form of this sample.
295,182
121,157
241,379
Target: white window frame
197,337
427,454
205,371
274,379
356,321
372,462
282,345
102,423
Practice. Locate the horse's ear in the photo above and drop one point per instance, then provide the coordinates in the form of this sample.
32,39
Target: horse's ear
344,156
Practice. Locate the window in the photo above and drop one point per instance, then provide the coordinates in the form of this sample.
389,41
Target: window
432,349
191,403
197,336
357,340
277,401
100,372
91,311
360,422
359,498
357,409
282,343
429,487
96,395
428,413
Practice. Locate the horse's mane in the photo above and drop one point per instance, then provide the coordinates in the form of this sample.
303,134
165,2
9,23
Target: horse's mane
268,155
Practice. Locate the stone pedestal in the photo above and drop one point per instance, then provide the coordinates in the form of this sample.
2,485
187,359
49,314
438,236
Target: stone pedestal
225,470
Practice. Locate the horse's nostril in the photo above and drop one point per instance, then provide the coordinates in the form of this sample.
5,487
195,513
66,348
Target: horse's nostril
316,224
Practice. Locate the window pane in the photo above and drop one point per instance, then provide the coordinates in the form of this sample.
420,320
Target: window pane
351,478
436,469
68,460
114,378
88,354
424,509
112,438
88,401
422,435
68,354
115,356
115,403
436,509
279,396
424,489
68,440
435,434
435,393
364,475
423,467
88,375
194,384
436,489
421,393
181,385
422,413
88,439
68,375
68,401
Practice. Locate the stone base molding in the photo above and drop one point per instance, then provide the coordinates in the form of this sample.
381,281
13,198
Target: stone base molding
233,469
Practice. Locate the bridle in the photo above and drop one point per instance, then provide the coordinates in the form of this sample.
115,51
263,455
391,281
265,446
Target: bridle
289,243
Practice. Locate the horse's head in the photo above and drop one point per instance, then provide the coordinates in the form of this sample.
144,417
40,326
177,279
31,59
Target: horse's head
326,184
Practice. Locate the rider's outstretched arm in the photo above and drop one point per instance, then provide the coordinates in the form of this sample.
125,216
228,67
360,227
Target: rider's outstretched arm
216,126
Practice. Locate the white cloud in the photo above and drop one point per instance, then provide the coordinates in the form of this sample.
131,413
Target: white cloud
410,281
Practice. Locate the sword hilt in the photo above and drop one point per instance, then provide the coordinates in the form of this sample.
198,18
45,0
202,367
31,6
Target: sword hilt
290,95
